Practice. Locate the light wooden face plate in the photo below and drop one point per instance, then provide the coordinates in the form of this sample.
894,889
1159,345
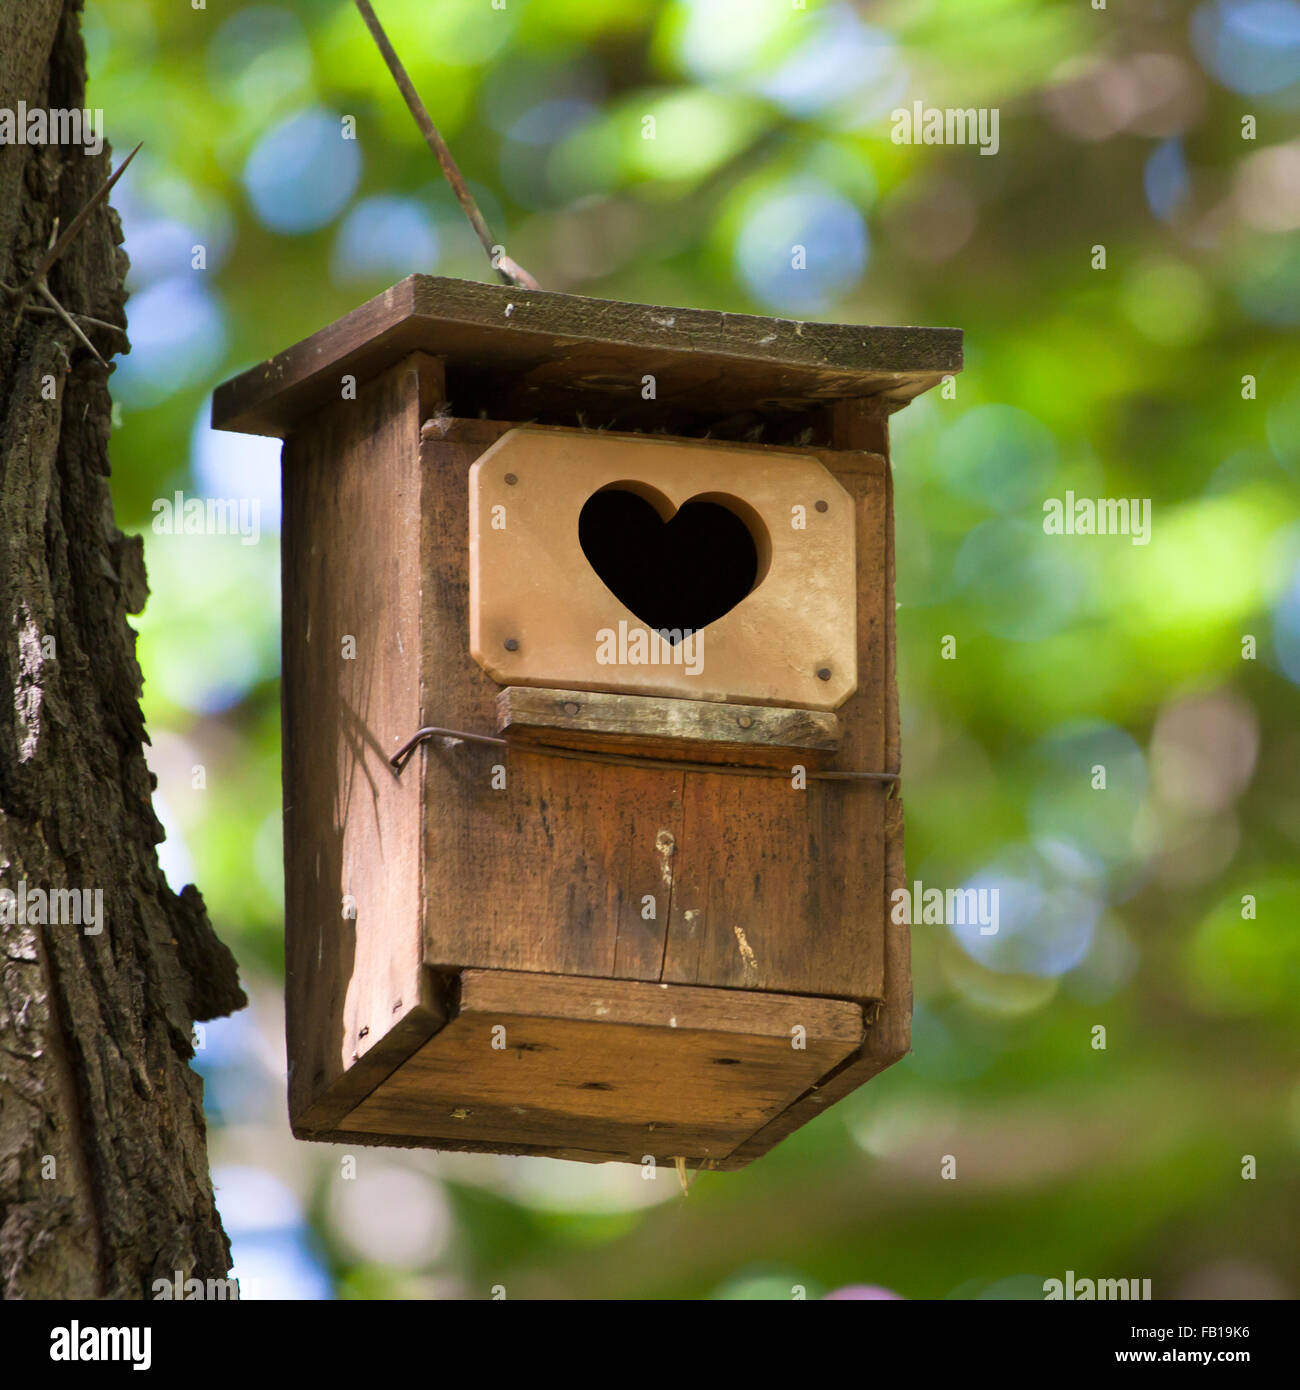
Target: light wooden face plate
531,584
618,1068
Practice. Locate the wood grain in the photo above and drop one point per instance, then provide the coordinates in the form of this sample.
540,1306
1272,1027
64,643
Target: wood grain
538,608
777,886
752,884
521,355
889,1034
351,621
611,1068
701,730
515,872
556,870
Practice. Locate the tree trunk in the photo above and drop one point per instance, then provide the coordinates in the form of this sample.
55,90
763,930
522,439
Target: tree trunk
104,1183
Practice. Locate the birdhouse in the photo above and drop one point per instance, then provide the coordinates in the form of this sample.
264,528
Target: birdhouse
591,753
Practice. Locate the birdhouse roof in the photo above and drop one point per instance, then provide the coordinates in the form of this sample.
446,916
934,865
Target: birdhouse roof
547,353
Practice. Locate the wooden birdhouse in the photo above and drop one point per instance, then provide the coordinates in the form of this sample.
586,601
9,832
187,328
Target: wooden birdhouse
591,747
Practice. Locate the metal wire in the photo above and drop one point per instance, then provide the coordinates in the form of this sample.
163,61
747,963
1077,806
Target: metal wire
405,753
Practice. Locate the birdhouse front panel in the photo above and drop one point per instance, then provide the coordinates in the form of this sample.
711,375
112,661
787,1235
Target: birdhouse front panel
585,546
590,720
594,855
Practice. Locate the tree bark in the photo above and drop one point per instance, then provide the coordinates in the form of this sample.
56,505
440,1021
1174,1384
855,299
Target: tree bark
104,1183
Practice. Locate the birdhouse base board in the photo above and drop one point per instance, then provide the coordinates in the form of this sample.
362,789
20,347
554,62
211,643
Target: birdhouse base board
604,1070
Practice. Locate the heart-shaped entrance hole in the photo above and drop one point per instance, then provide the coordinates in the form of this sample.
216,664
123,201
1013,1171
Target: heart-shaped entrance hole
676,570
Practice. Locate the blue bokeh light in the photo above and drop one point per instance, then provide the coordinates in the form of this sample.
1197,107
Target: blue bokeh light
804,223
998,456
237,465
1286,630
1166,180
1250,46
385,236
842,58
178,337
1070,804
302,172
551,120
1046,918
270,1242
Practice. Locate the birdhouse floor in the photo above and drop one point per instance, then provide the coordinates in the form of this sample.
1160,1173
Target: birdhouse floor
605,1070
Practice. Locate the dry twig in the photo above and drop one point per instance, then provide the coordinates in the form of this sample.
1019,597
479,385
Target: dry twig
73,227
36,281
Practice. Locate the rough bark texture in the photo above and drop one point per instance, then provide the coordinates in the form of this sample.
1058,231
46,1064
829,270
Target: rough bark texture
104,1182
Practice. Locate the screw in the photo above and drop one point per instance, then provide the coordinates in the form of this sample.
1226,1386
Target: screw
824,674
823,506
511,480
744,721
571,708
512,644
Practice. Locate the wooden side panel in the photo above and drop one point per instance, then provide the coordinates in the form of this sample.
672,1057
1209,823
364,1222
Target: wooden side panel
779,888
617,1069
351,622
889,1034
552,870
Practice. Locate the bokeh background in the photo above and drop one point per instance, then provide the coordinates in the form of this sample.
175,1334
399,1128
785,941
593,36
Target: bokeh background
1119,127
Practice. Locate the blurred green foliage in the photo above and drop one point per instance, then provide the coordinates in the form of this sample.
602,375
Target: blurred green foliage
1122,908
